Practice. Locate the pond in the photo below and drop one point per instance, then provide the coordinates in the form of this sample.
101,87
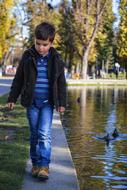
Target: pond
92,115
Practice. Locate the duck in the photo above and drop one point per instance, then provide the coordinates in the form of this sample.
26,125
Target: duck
115,133
108,137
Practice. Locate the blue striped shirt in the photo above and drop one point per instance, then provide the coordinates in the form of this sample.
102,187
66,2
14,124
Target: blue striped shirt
41,90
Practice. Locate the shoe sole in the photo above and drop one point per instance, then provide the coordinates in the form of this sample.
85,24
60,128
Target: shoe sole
43,177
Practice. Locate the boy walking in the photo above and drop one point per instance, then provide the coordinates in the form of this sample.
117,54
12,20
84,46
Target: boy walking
41,82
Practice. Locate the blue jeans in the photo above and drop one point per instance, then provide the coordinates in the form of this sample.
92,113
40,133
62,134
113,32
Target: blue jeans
40,121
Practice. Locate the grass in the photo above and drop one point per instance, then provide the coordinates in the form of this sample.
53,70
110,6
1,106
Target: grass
113,76
96,84
14,146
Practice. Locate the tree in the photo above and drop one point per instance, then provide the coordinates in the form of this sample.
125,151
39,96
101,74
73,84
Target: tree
7,22
105,38
122,34
67,43
87,15
37,12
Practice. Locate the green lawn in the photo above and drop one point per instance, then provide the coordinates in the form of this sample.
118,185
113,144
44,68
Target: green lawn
14,146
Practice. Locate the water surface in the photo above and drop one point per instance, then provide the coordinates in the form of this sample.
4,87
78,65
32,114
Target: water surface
99,111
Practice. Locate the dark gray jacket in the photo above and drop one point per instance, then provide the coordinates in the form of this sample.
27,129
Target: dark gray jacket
26,74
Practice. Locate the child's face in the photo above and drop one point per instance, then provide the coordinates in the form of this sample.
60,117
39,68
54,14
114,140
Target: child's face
42,46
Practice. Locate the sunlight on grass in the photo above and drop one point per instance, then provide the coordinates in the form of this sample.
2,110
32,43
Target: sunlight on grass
14,145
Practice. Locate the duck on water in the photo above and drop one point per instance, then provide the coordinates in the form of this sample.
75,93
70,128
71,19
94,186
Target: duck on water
109,137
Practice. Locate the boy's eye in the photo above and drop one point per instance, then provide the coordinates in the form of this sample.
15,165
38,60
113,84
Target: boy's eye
44,44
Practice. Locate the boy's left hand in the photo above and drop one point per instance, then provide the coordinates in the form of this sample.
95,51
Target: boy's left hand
61,109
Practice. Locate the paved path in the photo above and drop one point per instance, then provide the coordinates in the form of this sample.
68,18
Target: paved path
111,82
5,84
62,172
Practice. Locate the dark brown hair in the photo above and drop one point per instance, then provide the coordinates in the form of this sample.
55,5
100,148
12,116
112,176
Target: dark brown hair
45,31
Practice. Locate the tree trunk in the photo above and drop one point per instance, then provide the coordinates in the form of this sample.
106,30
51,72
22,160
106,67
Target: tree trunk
88,42
85,64
107,65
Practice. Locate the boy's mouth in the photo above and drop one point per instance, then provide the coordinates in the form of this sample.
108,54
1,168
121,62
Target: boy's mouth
40,52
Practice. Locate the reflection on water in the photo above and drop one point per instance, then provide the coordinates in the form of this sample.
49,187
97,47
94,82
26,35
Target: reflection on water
99,165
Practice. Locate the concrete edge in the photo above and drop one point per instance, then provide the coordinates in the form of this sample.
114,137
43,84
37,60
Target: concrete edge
68,149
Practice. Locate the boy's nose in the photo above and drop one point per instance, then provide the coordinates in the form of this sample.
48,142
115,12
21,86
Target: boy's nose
41,47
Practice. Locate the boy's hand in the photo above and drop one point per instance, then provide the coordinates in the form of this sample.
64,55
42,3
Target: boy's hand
11,105
61,109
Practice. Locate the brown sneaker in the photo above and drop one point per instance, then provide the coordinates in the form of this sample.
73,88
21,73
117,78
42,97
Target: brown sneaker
43,173
35,171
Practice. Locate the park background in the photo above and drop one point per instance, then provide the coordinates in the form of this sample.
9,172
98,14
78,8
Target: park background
91,35
92,39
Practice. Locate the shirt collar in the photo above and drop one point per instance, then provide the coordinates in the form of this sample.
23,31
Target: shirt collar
45,56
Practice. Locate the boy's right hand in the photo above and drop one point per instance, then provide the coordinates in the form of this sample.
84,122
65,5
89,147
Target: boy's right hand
11,105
